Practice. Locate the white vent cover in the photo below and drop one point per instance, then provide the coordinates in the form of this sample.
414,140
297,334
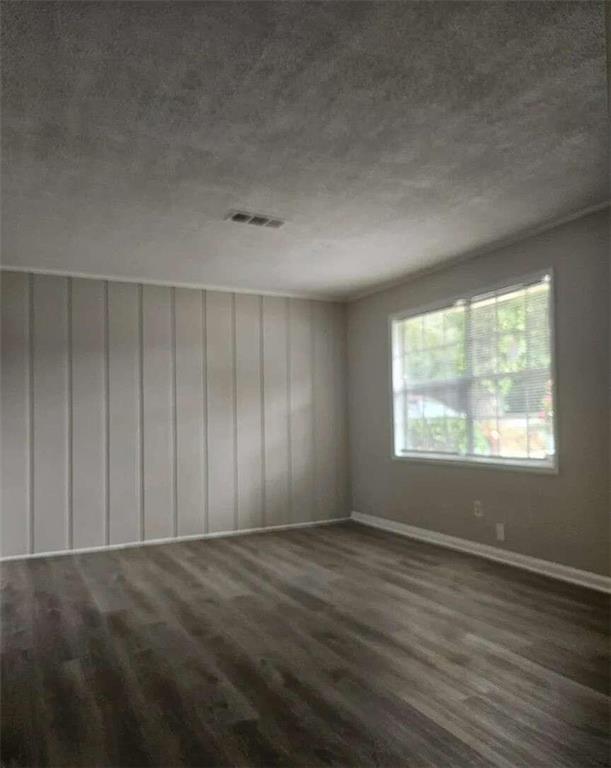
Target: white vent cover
256,219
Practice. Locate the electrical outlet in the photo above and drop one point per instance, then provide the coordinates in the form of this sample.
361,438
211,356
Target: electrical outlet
500,531
478,509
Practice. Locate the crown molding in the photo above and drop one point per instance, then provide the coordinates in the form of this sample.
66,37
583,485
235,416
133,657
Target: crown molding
170,284
343,298
485,250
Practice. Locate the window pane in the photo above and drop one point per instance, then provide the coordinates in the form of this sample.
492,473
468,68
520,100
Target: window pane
485,437
510,310
415,408
540,440
483,336
537,323
483,355
437,364
483,318
539,350
436,433
512,352
416,431
417,367
417,435
484,399
474,379
511,395
537,303
513,437
412,333
541,415
454,319
398,378
457,433
433,330
455,361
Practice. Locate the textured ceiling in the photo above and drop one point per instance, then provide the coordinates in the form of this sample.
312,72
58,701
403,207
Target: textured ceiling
390,136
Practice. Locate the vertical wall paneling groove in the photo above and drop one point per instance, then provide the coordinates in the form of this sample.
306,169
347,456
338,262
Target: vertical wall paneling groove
276,410
50,412
221,455
69,424
340,372
248,410
315,497
157,391
124,417
301,412
135,412
106,414
332,437
234,392
289,412
333,351
174,415
31,457
141,436
88,418
262,387
323,414
205,491
189,423
15,528
317,400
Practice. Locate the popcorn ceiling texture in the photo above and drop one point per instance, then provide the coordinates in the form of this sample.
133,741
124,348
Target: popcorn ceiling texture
390,136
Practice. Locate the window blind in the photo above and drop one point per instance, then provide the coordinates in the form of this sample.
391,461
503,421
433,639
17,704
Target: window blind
474,379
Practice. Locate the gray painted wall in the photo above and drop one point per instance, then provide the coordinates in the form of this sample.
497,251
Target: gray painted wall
562,518
134,412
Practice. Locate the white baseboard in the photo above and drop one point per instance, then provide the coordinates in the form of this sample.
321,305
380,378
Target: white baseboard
175,539
544,567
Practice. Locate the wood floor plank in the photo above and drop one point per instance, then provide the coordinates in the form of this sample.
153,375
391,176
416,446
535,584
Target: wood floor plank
332,646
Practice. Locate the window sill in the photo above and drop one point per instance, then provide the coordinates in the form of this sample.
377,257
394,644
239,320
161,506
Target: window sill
460,461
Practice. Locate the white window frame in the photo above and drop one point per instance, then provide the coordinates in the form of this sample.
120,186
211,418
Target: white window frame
489,462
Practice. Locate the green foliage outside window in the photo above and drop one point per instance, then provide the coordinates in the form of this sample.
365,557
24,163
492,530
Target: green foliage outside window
478,376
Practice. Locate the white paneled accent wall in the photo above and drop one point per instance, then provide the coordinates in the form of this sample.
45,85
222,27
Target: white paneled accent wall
138,412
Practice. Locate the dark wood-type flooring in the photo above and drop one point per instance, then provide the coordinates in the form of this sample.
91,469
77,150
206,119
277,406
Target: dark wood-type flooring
338,645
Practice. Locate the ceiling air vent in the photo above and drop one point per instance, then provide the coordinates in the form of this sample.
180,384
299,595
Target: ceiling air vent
256,219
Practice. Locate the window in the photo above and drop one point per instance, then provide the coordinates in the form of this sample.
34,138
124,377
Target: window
474,381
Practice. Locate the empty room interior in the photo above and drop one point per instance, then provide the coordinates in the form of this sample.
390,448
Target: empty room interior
305,384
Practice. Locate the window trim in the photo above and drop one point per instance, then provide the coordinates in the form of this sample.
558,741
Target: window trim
442,459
